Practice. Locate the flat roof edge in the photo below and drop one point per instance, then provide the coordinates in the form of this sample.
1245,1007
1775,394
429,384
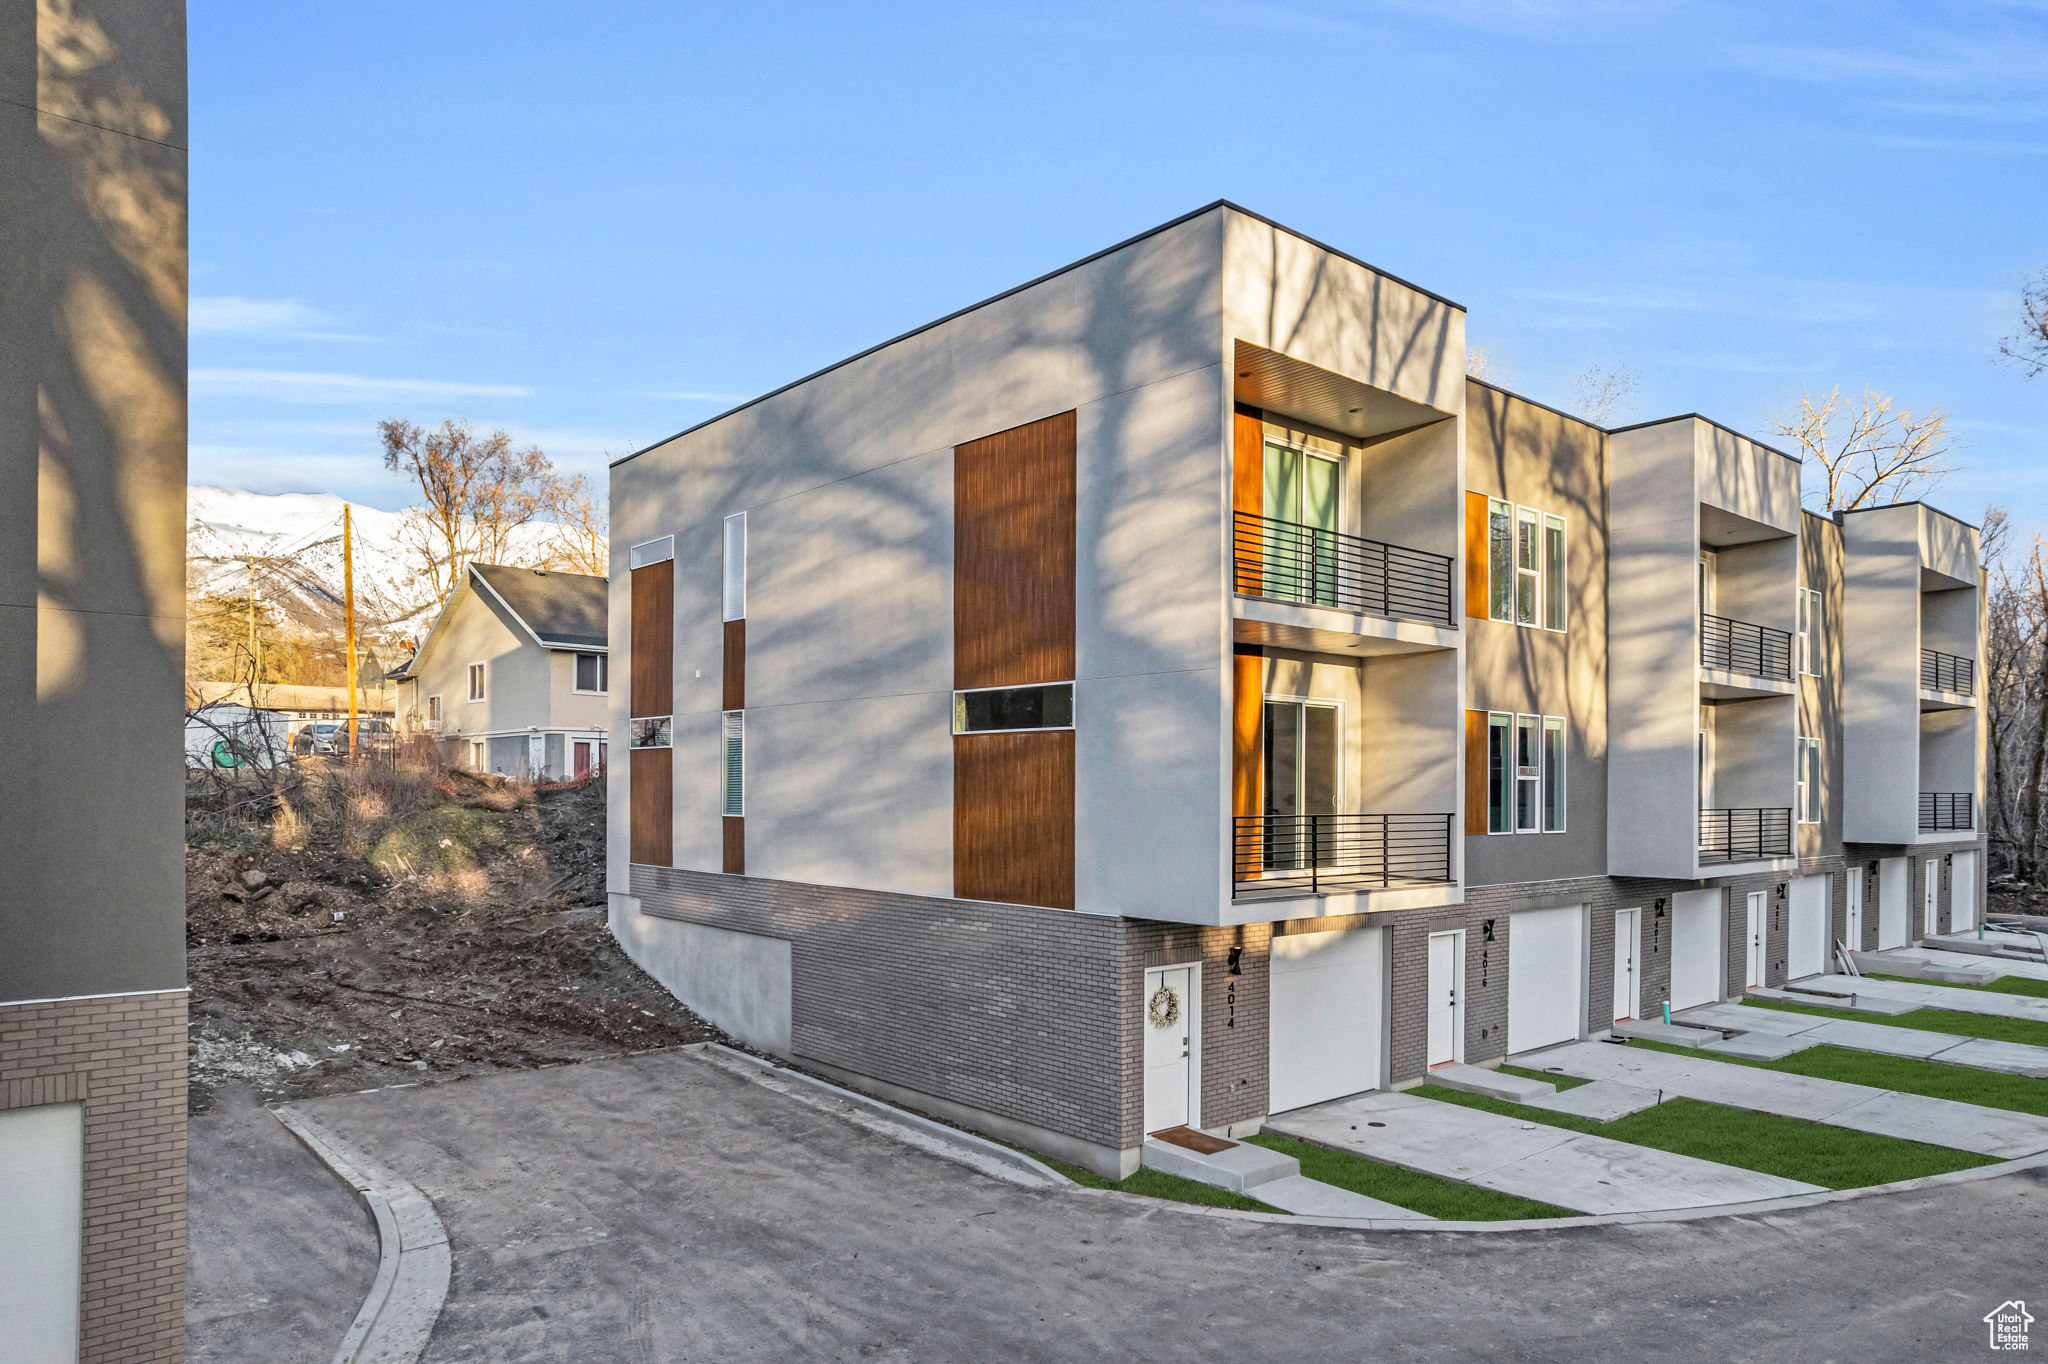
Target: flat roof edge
1917,502
1536,402
1718,426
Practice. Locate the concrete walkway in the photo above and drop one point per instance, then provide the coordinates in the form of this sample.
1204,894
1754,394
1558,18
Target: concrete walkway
2002,966
1861,1108
2010,1058
1926,996
1528,1159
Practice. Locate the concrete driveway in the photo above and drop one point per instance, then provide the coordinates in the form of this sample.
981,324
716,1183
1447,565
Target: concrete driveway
656,1208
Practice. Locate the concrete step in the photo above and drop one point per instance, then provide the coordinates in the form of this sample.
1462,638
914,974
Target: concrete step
1914,968
1670,1033
1307,1197
1598,1101
1764,1046
1855,1002
1230,1165
1491,1083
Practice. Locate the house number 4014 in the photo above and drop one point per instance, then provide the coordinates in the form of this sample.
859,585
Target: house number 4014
1230,1005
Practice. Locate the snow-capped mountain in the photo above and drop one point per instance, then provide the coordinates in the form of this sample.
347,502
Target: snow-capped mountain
296,541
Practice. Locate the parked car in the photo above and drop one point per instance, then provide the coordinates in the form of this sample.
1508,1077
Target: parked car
331,737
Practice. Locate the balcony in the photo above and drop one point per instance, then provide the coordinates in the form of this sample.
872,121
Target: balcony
1308,566
1280,855
1736,646
1947,673
1945,810
1744,835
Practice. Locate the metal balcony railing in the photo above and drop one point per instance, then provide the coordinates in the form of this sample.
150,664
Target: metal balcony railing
1745,835
1297,854
1946,672
1947,810
1737,646
1285,561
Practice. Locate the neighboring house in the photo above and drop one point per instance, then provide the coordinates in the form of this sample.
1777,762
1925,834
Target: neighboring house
1173,692
93,1038
513,676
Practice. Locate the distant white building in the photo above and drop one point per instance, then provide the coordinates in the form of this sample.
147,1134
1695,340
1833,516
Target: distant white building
226,735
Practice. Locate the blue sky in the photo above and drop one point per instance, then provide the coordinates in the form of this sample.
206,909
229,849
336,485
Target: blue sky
595,224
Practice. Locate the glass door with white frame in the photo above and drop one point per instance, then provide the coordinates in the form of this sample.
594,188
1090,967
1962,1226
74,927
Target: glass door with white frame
1301,553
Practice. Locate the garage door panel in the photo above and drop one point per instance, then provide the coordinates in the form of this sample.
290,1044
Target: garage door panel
42,1162
1325,1007
1546,977
1697,965
1806,930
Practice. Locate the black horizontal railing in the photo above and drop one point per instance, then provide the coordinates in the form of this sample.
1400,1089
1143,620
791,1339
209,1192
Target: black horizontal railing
1737,646
1948,810
1744,835
1287,561
1946,672
1293,854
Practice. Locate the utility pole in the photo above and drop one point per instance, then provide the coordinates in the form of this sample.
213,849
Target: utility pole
348,623
255,664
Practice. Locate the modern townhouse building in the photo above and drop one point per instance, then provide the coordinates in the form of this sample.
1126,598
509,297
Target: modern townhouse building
1171,692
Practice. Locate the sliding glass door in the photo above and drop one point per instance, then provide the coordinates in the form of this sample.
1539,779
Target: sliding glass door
1301,775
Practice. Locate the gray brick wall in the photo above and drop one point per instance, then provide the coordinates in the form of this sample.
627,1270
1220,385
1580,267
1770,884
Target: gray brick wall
123,1057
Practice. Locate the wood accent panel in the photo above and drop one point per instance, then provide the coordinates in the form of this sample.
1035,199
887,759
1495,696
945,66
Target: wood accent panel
734,836
1247,765
1247,490
1013,556
735,665
1013,817
653,601
1475,771
1475,555
652,829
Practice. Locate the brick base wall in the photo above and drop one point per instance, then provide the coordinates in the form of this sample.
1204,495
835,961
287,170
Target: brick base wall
123,1058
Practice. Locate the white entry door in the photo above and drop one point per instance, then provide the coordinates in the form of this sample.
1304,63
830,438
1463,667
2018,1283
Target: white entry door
1753,939
1962,892
42,1182
537,757
1852,919
1628,949
1169,1006
1894,875
1546,977
1446,998
1930,896
1696,959
1326,1003
1806,927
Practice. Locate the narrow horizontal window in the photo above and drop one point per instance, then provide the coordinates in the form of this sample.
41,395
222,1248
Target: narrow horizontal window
653,552
651,733
1045,707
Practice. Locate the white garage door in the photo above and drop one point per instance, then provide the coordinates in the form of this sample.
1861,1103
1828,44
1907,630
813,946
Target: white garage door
42,1183
1325,1015
1697,967
1894,878
1546,977
1962,892
1806,928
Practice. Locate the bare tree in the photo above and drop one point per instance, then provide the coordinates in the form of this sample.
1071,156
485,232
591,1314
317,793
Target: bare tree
476,493
1481,364
1602,393
1871,452
582,539
2028,347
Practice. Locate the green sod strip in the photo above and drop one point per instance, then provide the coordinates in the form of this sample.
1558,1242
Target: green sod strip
1906,1074
1563,1082
2007,985
2028,1030
1792,1148
1154,1184
1431,1195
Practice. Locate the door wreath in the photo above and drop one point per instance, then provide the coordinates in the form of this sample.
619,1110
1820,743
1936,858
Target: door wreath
1163,1009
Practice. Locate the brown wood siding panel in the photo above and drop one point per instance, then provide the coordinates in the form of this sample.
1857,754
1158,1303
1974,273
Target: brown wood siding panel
735,665
653,596
735,845
1247,493
1013,817
1475,555
1013,556
652,829
1475,771
1247,768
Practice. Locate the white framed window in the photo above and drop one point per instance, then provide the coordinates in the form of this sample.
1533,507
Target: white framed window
652,552
477,755
1500,773
736,566
1553,774
654,731
433,710
593,674
1553,573
1809,631
1809,780
1500,560
985,709
734,769
1528,773
476,681
1528,566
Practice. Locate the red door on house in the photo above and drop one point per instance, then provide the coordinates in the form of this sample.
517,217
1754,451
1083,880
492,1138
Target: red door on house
582,758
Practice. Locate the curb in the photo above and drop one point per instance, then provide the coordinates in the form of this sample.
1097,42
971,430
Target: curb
398,1315
965,1147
